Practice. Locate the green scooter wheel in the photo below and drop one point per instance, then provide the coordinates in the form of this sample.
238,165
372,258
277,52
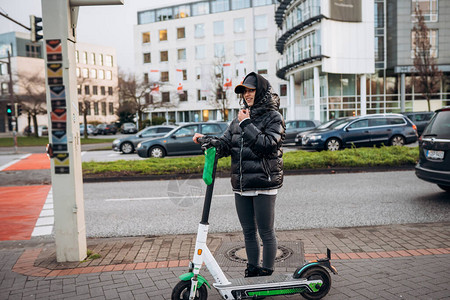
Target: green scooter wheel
317,273
183,288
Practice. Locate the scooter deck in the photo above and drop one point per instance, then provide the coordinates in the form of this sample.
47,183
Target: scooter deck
279,284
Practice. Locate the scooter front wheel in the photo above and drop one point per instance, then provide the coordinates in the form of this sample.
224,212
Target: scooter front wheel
317,273
183,288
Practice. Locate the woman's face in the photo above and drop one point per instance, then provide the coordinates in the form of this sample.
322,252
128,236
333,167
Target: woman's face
249,96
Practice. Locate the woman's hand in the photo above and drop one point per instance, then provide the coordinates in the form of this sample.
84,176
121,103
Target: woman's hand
196,136
243,114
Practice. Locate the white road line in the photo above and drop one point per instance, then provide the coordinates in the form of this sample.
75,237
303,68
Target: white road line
14,161
163,198
44,224
83,153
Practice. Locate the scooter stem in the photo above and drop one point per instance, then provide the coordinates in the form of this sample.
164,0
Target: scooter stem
208,196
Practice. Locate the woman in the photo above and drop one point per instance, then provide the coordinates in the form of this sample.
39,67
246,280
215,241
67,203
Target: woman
254,142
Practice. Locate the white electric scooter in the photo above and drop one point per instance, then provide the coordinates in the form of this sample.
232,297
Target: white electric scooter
312,280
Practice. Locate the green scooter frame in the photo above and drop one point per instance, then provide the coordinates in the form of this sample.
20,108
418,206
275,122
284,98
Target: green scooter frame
312,280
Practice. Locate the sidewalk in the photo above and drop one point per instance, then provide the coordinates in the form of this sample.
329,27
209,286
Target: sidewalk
376,262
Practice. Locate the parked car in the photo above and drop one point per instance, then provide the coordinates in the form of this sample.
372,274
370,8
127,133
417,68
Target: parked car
128,128
128,144
179,141
295,126
434,150
105,129
369,130
420,119
299,136
90,129
42,130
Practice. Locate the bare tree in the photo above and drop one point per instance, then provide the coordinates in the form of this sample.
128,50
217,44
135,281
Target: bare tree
428,77
32,98
85,100
220,95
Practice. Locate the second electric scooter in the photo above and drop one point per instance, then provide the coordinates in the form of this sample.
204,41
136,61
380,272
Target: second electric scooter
312,280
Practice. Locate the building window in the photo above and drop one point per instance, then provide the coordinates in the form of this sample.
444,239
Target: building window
182,11
181,34
165,76
147,58
80,108
200,97
163,35
147,98
93,74
261,45
239,47
146,17
33,51
92,58
84,57
262,67
181,54
96,108
77,56
100,59
77,70
111,108
101,74
94,90
220,6
240,4
200,8
429,9
104,108
110,90
164,14
200,52
219,50
262,2
219,28
434,43
79,89
87,90
239,25
145,77
164,55
199,30
145,37
87,106
261,22
184,74
109,75
183,96
165,96
103,90
283,90
5,88
85,72
198,71
109,60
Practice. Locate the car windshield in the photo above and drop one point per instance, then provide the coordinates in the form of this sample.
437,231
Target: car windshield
439,126
339,123
326,125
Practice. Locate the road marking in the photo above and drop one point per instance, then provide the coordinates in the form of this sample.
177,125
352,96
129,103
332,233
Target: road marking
14,161
83,153
164,198
44,224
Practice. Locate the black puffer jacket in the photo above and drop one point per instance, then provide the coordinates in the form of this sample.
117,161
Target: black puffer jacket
255,144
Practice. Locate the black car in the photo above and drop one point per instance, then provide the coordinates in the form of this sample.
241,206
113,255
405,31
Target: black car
420,119
293,127
299,136
179,141
369,130
128,144
434,150
105,129
128,128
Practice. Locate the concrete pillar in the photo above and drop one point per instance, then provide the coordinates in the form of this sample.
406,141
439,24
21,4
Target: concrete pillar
402,92
363,95
291,98
316,94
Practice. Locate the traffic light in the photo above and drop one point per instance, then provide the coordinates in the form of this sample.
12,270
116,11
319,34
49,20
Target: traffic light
9,110
35,28
18,109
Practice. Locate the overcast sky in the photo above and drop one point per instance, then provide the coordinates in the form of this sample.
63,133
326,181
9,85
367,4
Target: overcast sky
102,25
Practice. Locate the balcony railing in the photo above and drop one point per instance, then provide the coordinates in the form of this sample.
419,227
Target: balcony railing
305,56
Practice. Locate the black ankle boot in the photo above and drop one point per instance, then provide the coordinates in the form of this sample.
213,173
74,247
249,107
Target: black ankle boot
252,271
265,272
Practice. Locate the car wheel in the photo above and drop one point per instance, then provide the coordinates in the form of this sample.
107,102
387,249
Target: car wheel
127,148
445,187
333,144
397,140
156,152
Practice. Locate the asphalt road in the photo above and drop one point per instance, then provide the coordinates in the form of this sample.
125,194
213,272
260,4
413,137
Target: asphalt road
305,201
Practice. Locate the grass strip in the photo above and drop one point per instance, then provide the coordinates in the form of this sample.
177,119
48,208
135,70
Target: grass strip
294,160
26,141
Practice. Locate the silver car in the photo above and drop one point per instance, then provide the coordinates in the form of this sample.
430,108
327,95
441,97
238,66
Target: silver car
128,144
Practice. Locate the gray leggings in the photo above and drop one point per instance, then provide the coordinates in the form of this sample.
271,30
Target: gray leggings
257,213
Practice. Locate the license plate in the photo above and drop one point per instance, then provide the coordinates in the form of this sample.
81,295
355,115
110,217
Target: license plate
433,154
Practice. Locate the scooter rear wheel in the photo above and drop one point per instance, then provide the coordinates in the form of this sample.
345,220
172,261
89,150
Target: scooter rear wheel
317,273
183,288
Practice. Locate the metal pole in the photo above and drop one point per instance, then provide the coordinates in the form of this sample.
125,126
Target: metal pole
13,104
